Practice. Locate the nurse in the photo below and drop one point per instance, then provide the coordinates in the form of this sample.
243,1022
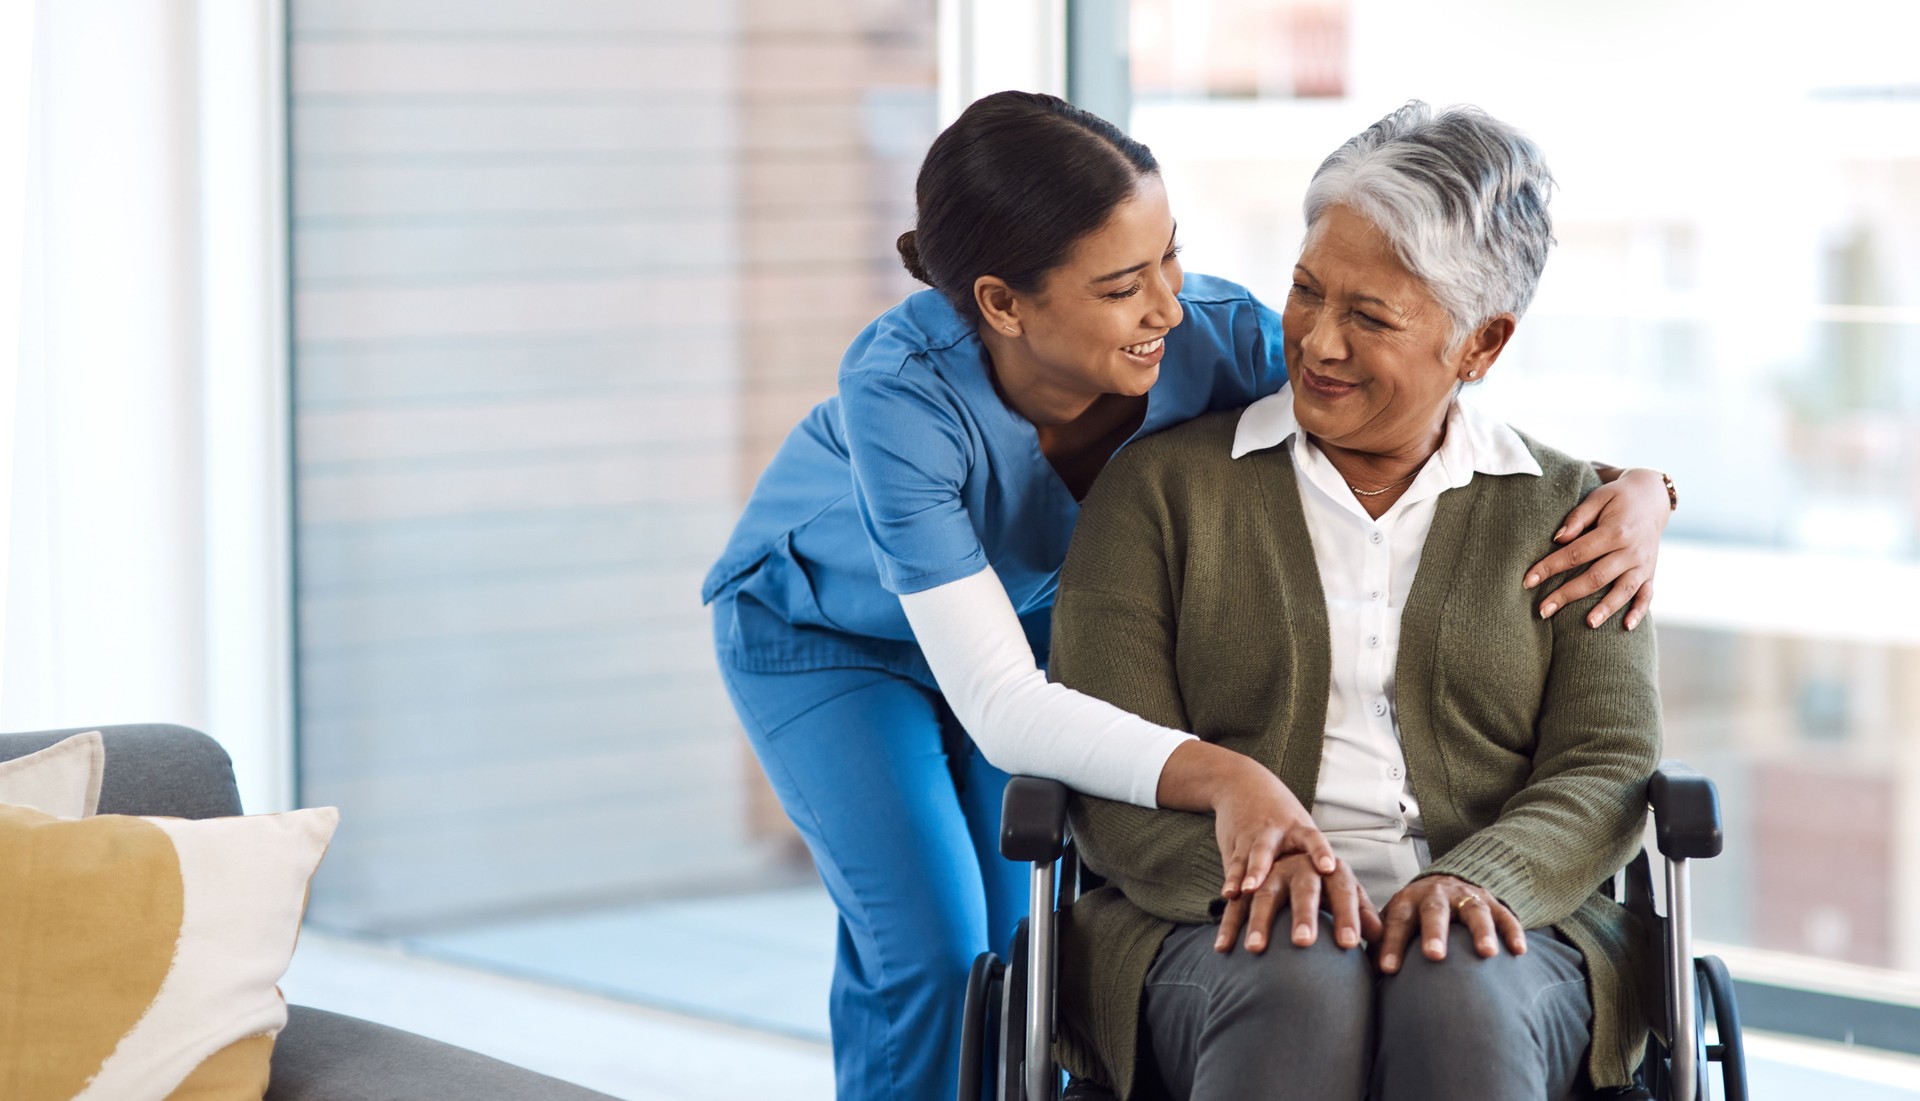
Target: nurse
882,609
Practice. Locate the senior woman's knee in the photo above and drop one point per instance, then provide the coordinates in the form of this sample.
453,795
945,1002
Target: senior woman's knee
1467,999
1462,993
1299,1019
1322,982
1322,978
1467,1027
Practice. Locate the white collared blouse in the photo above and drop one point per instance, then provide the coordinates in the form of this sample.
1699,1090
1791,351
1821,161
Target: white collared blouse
1364,802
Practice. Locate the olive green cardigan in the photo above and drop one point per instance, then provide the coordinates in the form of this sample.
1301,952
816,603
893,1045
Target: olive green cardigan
1191,597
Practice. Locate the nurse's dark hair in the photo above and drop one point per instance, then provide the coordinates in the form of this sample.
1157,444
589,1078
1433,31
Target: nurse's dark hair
1010,187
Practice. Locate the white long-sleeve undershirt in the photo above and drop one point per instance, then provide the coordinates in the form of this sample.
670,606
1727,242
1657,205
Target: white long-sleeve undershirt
1022,722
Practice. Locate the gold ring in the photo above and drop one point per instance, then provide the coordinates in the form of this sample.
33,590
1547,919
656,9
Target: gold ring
1460,906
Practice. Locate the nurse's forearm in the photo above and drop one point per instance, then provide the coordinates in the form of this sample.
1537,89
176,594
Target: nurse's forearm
1023,723
1256,818
1199,776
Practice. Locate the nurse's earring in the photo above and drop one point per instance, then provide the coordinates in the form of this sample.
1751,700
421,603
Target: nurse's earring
1472,373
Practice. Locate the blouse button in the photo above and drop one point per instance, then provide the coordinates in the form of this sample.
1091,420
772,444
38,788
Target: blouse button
1380,707
1394,772
1373,642
1374,595
1375,538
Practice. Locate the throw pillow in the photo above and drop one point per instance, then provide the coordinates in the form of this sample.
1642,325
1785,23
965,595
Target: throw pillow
63,779
141,954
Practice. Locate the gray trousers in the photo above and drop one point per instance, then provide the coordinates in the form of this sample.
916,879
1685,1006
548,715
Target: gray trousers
1320,1023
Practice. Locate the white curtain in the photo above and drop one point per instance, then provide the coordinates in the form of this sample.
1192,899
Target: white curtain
142,545
103,622
16,90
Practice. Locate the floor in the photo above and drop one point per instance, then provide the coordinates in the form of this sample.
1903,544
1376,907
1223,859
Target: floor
632,1002
630,1051
759,961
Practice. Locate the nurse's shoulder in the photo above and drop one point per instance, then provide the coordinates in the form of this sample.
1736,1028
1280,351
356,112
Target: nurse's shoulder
916,370
1212,290
1229,343
924,327
1214,307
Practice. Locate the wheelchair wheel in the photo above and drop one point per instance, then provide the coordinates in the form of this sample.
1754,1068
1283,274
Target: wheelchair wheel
1013,1021
1716,994
979,1021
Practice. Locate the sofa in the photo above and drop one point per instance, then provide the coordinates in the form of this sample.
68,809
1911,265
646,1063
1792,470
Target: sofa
172,771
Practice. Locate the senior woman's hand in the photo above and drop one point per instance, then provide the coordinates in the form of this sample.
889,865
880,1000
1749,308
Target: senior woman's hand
1297,885
1430,904
1617,529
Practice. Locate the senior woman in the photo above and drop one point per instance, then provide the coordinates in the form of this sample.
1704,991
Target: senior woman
1318,581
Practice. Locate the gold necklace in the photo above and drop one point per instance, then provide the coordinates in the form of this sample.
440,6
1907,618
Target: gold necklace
1358,492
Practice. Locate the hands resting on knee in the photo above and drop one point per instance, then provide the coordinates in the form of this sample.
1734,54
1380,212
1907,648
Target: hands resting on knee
1427,906
1295,884
1430,904
1275,858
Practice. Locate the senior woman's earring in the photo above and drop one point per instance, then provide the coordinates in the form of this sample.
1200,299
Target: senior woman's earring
1012,330
1471,374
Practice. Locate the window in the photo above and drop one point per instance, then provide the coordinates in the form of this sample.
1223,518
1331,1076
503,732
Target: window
1735,298
564,275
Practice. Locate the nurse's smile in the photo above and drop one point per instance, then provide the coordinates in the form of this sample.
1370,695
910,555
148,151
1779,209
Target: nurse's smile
1148,354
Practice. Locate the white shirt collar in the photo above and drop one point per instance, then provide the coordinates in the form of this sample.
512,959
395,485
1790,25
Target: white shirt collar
1474,443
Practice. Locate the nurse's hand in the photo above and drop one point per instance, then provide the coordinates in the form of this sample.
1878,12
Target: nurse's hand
1296,886
1256,818
1615,533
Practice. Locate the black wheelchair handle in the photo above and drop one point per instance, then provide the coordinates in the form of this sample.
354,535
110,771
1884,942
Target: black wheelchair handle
1033,820
1686,812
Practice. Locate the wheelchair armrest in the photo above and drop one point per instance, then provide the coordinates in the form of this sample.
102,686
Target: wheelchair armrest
1686,812
1033,820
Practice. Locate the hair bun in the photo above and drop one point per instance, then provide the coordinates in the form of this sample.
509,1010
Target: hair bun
909,249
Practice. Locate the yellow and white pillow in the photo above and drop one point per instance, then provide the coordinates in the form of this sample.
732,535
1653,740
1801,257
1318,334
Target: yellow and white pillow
141,954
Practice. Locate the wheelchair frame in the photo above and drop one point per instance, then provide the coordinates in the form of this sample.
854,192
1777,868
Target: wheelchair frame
1010,1005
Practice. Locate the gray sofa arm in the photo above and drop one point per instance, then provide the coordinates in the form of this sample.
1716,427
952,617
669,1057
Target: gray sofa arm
155,769
324,1056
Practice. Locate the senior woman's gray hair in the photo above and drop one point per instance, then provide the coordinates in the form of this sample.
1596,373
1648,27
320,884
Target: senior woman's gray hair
1462,196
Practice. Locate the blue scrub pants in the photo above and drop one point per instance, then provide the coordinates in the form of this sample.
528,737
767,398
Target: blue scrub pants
902,815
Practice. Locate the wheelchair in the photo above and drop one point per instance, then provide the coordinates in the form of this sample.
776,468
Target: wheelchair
1008,1028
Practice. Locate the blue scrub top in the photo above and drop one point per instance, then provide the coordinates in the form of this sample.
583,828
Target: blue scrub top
917,474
